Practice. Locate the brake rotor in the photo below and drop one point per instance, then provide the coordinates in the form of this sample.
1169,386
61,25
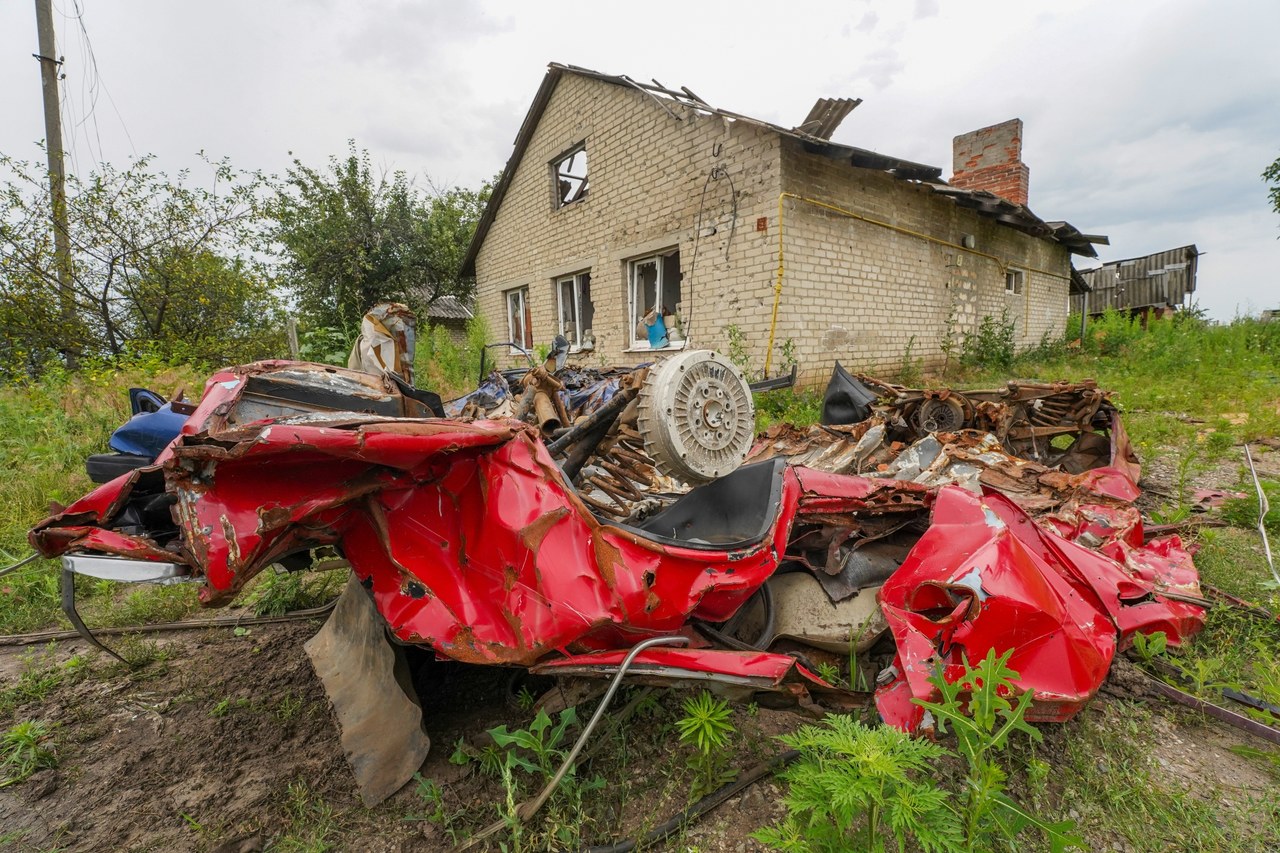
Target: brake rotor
696,416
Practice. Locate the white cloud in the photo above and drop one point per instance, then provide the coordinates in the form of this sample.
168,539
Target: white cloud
1149,120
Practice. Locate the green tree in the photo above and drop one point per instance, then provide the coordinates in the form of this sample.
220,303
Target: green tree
1271,175
157,263
349,239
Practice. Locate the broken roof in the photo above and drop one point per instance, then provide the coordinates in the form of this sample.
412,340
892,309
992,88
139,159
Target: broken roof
1161,278
812,134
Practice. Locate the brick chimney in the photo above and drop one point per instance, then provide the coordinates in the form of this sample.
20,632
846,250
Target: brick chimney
991,159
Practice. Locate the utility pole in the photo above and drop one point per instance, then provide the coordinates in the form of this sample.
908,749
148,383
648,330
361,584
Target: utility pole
49,66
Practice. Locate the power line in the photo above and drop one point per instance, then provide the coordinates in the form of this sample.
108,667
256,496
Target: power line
92,87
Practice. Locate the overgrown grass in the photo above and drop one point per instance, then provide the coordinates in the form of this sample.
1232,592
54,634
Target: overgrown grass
1179,381
447,366
46,431
1120,794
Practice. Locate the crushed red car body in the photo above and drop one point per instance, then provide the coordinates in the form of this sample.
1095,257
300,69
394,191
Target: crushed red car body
473,542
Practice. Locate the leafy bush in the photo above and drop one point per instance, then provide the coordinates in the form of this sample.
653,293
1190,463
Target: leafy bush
787,406
156,262
853,783
992,345
445,366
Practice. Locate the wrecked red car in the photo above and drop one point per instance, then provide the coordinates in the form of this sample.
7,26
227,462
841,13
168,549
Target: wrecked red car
485,540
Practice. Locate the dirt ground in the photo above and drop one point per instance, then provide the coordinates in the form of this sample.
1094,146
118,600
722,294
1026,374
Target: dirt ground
228,745
199,752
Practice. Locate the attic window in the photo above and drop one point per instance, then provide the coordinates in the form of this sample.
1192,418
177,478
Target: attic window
1013,281
569,173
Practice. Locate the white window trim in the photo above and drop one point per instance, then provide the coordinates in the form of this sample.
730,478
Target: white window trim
576,279
643,345
523,294
1020,282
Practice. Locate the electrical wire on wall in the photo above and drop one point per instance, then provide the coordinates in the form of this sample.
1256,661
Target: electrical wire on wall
717,173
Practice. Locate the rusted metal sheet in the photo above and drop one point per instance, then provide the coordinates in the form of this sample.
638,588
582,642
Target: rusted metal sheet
1162,279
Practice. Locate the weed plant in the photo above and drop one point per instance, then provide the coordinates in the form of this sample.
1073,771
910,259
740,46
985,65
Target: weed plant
706,727
856,785
526,760
25,748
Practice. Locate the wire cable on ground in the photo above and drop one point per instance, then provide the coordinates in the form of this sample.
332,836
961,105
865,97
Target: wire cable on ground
24,562
161,627
701,807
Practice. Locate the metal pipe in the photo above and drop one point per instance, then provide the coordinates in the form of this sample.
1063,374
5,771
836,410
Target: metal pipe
1264,507
545,411
606,412
529,808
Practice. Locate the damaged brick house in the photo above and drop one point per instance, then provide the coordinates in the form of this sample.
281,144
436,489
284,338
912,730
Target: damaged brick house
624,201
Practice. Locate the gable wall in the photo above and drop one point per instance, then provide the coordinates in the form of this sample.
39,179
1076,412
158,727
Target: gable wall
647,175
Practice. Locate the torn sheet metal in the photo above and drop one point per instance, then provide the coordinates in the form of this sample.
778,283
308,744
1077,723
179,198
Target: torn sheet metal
474,542
387,341
738,675
470,538
986,576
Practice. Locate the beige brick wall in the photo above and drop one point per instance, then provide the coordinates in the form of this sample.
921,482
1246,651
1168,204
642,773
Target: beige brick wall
860,293
851,290
647,173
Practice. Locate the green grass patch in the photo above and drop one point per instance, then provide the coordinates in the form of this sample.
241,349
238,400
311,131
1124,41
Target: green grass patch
1119,792
47,429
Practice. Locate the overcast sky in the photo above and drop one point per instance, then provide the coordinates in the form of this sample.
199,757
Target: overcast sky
1147,121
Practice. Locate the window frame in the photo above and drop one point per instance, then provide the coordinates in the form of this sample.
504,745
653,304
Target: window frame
525,340
557,201
658,260
577,280
1018,279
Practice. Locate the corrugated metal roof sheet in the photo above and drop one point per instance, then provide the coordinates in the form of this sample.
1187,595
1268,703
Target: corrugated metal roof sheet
448,308
1161,279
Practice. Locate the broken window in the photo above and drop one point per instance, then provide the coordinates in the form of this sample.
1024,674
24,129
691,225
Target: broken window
1013,281
573,294
570,175
654,298
519,322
